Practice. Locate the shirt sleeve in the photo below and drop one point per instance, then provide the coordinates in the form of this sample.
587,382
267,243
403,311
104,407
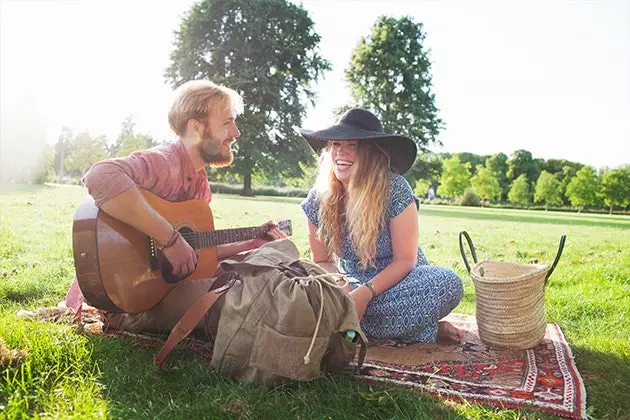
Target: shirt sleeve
111,177
204,193
401,196
310,206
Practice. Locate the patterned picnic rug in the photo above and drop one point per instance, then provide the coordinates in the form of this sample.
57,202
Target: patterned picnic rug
543,378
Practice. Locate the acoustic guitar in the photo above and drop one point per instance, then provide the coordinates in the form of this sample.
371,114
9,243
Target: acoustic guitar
120,269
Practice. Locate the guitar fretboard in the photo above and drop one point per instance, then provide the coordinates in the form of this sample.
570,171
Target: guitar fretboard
212,238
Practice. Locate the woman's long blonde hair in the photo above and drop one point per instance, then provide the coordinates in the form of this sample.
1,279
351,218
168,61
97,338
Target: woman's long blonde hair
362,206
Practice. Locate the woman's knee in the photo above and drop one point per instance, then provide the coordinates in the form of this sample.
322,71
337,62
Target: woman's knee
453,291
440,280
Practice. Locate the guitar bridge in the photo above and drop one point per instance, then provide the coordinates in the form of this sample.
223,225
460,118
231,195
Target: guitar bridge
152,252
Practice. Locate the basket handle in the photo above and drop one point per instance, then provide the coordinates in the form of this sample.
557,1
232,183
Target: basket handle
555,261
470,245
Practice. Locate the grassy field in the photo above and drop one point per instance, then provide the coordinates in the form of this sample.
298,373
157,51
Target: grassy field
67,375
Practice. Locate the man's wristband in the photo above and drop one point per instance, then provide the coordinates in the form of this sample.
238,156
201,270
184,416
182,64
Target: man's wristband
171,241
372,289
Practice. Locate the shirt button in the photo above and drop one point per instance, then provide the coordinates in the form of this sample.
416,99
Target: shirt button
189,178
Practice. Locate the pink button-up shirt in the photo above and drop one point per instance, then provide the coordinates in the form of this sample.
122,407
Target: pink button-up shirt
165,170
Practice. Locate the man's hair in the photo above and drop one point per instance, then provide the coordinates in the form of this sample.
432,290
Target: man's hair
196,99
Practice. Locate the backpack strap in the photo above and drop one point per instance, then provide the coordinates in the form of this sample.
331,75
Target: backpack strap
189,321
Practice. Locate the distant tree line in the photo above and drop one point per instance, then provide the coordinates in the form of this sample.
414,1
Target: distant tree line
73,155
519,179
268,51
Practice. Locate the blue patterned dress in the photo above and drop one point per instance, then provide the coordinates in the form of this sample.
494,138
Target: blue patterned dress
412,308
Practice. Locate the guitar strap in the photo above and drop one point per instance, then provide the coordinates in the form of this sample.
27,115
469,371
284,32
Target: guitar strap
190,320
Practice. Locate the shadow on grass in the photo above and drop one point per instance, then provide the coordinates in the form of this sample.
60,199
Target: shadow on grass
266,198
188,388
607,381
521,218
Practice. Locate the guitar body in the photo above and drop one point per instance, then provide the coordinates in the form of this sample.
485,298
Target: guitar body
118,267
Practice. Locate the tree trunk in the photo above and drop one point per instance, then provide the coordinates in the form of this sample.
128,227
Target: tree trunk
61,164
546,206
247,186
611,209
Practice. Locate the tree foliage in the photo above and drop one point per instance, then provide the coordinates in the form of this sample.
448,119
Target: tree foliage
427,167
128,141
520,191
616,188
86,151
390,74
522,162
476,161
486,184
455,178
583,188
548,189
497,164
267,50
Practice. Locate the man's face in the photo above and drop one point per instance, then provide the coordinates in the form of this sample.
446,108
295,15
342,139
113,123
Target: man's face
219,133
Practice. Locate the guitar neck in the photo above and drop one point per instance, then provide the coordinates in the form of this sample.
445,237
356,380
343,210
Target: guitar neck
213,238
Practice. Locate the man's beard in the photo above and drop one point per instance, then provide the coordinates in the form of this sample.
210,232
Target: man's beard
208,152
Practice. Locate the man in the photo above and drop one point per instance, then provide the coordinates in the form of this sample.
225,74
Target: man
203,115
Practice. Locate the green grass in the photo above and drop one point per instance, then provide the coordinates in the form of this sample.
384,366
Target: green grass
67,375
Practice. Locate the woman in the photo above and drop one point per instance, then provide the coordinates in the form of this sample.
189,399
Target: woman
362,218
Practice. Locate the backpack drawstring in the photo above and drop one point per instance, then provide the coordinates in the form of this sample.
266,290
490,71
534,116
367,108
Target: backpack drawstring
307,358
306,281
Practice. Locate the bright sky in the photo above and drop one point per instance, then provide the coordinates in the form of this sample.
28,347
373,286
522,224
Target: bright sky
549,76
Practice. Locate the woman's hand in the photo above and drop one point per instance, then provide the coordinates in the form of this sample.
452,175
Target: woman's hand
361,297
344,284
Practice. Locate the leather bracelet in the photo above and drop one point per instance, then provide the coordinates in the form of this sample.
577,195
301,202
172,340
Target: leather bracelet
171,241
372,289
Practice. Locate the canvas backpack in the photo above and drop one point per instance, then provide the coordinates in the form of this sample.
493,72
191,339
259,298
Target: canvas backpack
278,317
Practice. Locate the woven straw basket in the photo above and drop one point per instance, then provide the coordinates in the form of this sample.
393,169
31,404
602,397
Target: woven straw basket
510,299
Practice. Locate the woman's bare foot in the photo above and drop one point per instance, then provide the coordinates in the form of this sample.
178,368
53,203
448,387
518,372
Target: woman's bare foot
448,332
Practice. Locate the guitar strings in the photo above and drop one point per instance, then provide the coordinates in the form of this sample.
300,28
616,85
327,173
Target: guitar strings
194,235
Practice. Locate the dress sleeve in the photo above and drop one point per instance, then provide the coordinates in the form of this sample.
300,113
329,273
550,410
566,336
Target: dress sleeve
401,196
310,206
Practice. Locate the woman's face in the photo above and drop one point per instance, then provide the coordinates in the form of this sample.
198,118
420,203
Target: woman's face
344,159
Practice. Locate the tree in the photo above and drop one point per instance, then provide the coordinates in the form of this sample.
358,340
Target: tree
583,188
522,162
486,184
497,164
519,191
476,161
85,153
50,157
421,188
128,141
554,166
616,188
305,181
455,178
267,50
390,74
134,143
62,149
548,189
427,167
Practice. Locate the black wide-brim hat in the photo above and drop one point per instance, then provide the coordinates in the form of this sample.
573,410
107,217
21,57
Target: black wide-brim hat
359,124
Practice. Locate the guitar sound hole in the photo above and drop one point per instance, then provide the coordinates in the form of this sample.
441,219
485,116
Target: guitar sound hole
167,268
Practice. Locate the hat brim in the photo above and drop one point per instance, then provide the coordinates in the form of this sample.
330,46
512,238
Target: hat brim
402,149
